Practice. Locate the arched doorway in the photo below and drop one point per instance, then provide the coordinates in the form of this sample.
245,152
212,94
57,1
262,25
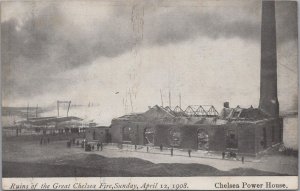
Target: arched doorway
94,135
127,134
174,137
231,139
203,138
149,136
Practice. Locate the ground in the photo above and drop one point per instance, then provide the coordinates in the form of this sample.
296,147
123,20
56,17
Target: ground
25,157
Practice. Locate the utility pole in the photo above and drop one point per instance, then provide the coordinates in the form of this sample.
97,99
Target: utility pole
36,111
63,102
27,111
130,100
57,108
68,108
170,99
126,101
161,98
123,102
180,100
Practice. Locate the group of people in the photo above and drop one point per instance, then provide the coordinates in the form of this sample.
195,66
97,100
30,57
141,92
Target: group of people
91,147
44,140
99,145
231,155
85,145
72,141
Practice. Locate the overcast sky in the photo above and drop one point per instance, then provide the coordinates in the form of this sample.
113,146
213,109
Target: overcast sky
86,51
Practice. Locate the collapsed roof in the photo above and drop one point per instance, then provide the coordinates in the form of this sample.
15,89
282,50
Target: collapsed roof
200,114
243,114
167,115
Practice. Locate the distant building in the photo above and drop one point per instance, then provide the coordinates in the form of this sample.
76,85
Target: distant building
50,125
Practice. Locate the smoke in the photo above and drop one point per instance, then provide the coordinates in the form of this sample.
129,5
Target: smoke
42,41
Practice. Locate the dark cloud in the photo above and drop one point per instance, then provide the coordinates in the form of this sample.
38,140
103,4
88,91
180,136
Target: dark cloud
178,25
46,44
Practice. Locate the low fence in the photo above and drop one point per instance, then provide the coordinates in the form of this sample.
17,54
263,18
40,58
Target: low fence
37,137
168,151
13,132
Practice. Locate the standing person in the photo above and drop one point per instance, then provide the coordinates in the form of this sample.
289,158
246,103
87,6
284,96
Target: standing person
161,147
135,147
101,145
98,146
189,151
223,155
69,144
243,159
171,151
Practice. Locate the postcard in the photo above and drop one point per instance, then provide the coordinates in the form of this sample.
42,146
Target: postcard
149,95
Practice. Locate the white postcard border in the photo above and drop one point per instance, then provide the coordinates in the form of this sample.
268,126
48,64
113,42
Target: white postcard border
154,183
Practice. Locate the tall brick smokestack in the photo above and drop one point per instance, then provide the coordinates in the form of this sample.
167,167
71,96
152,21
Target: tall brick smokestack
268,74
